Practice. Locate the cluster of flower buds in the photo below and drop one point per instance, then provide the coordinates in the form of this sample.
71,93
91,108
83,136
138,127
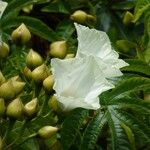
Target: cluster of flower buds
10,101
82,17
11,88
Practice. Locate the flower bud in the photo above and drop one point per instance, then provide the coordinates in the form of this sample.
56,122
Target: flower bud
4,50
125,46
31,107
7,90
1,143
27,9
15,78
40,73
91,19
17,84
79,16
48,83
21,34
69,56
47,131
128,18
53,103
18,87
58,49
15,109
147,97
2,78
27,72
2,106
33,59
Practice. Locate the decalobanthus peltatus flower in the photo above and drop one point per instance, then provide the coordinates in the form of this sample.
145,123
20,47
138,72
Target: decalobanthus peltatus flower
92,42
78,82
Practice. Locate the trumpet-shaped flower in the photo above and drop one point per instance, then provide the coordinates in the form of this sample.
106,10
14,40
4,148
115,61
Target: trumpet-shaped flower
97,43
78,82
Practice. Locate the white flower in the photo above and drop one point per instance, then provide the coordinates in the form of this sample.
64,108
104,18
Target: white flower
78,82
2,7
97,43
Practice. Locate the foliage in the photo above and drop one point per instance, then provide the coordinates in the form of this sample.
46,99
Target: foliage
122,122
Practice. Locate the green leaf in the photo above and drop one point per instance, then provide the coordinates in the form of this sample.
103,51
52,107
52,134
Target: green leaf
71,127
137,66
119,139
16,5
65,29
56,7
141,7
129,85
129,134
147,55
139,128
138,106
36,26
124,5
93,130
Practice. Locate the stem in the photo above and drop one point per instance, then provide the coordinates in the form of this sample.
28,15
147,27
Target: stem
43,105
19,136
37,89
27,138
10,126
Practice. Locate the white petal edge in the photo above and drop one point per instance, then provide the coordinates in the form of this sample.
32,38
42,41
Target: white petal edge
3,6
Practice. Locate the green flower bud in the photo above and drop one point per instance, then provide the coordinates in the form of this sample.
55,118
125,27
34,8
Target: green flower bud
2,78
47,131
58,49
15,78
21,34
125,46
15,109
31,107
18,87
69,56
53,103
128,18
91,19
40,73
4,50
147,97
56,146
2,106
7,90
17,84
27,72
1,143
79,16
27,9
48,83
33,59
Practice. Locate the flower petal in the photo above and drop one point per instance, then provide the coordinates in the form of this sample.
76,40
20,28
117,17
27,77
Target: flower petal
93,42
69,103
79,82
2,7
97,43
